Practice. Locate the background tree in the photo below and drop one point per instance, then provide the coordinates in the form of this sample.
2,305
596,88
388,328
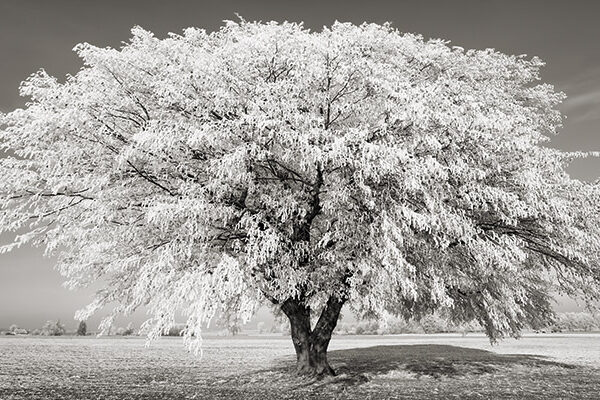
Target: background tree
204,173
82,328
233,329
53,328
129,330
175,330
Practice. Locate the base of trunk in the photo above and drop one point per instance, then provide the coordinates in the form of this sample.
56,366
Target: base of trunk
314,364
311,344
319,372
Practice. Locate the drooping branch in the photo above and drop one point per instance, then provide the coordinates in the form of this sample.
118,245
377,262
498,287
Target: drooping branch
534,237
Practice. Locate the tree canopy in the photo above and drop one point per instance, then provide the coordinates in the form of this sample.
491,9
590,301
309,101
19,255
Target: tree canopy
207,173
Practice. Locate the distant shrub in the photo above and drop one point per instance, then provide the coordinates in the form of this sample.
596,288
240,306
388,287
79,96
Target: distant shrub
128,331
281,326
341,329
391,325
234,329
472,326
36,332
434,324
575,322
261,327
15,330
82,328
396,326
175,330
53,328
366,328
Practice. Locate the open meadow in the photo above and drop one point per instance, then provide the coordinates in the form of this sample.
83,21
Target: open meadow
377,367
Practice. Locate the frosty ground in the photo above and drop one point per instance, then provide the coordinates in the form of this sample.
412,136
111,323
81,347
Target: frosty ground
377,367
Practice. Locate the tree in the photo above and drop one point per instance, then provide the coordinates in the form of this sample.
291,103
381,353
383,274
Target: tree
233,330
175,330
206,173
82,328
129,329
14,329
53,328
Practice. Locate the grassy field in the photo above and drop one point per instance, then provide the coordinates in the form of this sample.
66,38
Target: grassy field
369,367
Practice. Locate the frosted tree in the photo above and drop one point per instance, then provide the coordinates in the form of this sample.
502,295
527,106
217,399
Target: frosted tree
82,328
210,173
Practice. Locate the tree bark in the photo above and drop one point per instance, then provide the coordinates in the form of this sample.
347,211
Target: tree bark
311,345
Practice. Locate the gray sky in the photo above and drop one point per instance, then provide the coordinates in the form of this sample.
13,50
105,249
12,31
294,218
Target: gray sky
41,34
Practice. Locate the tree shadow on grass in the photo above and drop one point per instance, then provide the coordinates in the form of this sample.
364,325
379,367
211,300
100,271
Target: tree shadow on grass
360,365
431,360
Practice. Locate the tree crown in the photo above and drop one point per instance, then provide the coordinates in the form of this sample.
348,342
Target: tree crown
206,172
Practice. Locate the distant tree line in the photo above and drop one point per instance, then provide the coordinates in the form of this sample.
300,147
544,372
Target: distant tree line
564,322
50,328
393,326
227,329
574,322
56,328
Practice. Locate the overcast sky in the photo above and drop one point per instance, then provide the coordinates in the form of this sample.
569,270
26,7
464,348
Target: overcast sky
41,34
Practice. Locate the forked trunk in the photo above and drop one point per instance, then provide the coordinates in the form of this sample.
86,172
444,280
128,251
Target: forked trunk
311,345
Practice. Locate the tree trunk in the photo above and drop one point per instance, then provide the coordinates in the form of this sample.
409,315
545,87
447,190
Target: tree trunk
311,345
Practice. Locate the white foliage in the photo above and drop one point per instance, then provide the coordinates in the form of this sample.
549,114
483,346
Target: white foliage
204,172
